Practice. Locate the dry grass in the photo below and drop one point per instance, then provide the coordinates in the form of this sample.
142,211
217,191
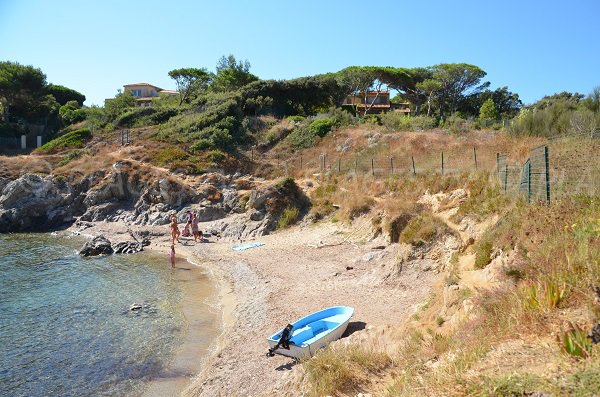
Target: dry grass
423,229
345,369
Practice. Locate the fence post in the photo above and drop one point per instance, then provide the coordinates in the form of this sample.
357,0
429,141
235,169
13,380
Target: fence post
300,162
498,164
506,177
529,183
372,167
355,165
391,166
475,157
547,175
324,161
339,165
442,163
413,163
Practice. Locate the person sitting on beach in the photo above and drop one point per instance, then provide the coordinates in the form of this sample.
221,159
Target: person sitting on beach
172,255
175,233
195,230
186,230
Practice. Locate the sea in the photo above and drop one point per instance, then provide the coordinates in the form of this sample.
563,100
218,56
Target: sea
67,327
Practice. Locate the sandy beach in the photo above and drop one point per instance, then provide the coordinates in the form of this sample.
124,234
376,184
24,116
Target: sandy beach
258,291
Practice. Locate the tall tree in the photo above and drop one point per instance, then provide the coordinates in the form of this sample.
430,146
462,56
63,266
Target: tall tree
232,74
20,87
64,94
457,80
190,80
359,80
488,110
430,89
406,83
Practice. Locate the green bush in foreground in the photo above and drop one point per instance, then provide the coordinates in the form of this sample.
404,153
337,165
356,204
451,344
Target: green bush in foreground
289,216
71,140
483,253
321,127
422,229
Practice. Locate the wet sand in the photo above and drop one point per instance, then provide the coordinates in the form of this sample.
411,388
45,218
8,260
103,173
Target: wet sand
203,327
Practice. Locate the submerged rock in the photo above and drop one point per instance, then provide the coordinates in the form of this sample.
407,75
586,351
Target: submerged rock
97,246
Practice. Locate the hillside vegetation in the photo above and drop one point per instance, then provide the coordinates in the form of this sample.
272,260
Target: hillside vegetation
517,308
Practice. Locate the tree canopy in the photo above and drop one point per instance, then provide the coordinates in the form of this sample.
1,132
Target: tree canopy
190,81
232,74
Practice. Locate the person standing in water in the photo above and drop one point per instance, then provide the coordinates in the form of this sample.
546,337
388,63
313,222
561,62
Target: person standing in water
172,255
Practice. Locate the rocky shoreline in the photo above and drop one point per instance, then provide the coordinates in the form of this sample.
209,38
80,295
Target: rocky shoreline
247,207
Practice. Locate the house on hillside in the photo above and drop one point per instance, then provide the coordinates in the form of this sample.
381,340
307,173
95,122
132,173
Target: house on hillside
376,102
144,93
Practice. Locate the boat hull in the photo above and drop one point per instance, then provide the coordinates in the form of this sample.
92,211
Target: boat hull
314,332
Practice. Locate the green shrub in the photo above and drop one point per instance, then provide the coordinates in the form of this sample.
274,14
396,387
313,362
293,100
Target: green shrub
422,123
200,145
75,154
296,119
301,138
277,133
135,116
217,119
163,115
483,251
342,117
169,155
422,229
289,216
439,320
216,156
372,119
395,121
71,113
321,127
457,125
70,140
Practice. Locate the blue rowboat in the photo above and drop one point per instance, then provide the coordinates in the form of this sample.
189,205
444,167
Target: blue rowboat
311,333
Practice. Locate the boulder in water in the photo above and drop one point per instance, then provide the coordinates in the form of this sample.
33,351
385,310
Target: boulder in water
128,247
97,246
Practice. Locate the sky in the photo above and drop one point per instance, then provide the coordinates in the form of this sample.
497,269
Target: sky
535,48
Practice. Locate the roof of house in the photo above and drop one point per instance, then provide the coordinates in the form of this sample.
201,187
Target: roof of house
143,84
169,92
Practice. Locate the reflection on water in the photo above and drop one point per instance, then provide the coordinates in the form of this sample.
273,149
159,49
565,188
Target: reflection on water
66,324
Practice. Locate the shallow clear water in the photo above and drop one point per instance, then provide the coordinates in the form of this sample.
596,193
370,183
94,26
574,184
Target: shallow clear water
65,324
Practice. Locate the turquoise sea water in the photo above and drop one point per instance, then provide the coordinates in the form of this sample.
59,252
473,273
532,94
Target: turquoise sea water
65,324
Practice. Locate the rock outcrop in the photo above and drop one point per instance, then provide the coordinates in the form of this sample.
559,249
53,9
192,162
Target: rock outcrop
265,207
97,246
37,203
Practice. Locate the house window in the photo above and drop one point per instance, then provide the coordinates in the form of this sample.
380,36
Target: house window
136,93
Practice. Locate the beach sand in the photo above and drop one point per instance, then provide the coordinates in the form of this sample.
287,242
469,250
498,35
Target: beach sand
258,291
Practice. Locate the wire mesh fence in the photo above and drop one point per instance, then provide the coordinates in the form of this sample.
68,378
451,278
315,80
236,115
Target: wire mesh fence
444,162
566,166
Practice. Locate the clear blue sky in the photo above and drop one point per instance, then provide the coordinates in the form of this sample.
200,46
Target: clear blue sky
533,47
